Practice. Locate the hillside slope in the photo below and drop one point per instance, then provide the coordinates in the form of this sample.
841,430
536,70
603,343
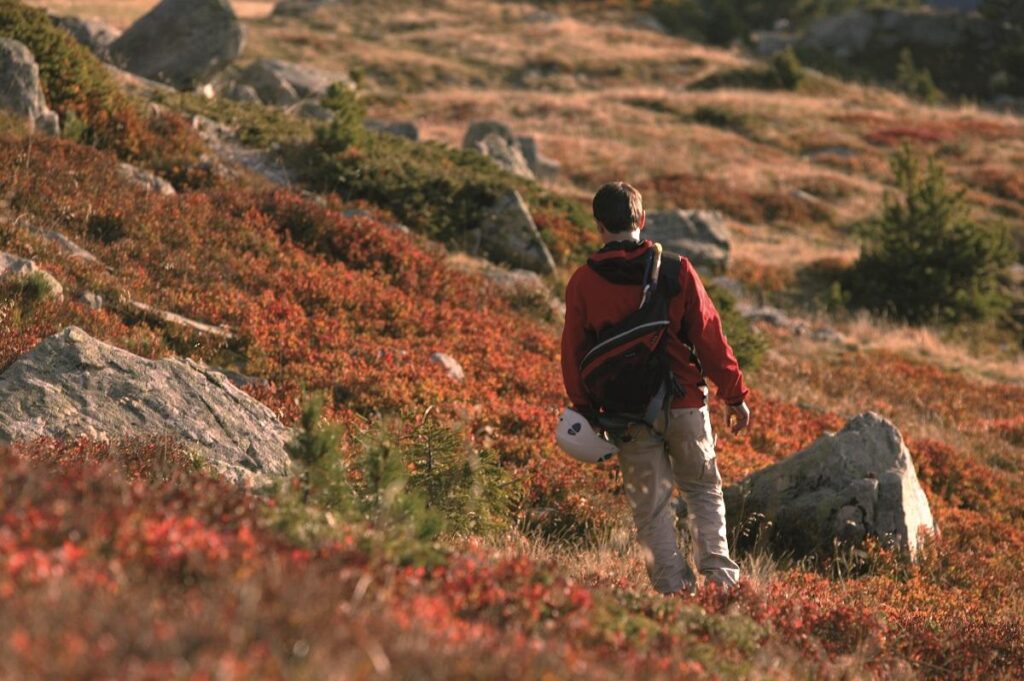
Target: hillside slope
126,560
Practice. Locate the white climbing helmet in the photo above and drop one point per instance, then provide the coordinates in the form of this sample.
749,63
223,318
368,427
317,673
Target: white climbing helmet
579,440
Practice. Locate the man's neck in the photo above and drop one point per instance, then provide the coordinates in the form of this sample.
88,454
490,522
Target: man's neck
622,236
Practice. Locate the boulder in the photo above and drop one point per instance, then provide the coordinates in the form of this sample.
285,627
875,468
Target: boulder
93,33
21,92
64,244
478,130
844,487
73,385
242,93
12,265
543,168
283,83
180,42
509,235
146,180
450,365
508,156
700,235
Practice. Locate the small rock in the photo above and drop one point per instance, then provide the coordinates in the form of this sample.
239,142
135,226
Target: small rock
146,180
13,265
283,83
509,235
450,364
506,155
311,109
237,92
180,42
404,129
178,320
700,235
21,92
69,247
543,168
93,301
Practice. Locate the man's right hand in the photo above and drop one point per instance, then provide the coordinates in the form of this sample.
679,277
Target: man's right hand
737,417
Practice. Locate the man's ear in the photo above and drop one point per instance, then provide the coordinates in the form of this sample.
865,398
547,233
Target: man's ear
643,220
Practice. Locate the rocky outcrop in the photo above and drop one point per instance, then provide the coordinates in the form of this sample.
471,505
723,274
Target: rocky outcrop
93,33
12,265
857,32
180,42
844,487
509,235
700,235
146,180
283,83
21,92
517,154
508,156
73,385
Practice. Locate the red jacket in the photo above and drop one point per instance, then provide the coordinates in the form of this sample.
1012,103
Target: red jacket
593,302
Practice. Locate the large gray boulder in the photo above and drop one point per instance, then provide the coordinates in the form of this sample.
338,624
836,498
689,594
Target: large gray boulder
93,33
496,141
282,83
509,235
180,42
844,487
700,235
543,167
73,385
21,92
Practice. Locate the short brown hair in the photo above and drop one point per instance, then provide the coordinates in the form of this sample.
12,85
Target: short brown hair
619,207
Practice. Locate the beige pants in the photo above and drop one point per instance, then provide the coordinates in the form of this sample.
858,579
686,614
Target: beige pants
681,451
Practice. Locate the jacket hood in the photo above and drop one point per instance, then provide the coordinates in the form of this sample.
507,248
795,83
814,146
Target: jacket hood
621,262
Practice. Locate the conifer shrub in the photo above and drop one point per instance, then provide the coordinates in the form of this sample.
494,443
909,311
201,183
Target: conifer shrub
914,81
924,259
746,342
409,481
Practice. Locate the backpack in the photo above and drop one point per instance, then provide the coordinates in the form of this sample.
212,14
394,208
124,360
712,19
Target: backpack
627,373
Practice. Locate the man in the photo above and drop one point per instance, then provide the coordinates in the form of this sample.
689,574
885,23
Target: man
678,446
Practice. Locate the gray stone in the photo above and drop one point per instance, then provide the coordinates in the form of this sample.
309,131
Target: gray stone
174,319
509,235
93,301
93,33
180,42
311,109
508,156
543,168
73,385
700,235
843,487
450,365
406,129
66,245
242,93
13,265
146,180
283,83
21,92
480,129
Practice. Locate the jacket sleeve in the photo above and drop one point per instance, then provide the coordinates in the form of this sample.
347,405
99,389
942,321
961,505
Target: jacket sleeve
575,340
703,328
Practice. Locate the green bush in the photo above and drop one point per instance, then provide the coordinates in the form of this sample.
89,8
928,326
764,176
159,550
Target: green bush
924,259
788,70
746,342
435,190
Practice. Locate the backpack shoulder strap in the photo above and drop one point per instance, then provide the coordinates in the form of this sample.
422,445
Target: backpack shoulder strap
671,266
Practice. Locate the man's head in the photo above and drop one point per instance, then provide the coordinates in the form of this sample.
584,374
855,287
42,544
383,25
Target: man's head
619,211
